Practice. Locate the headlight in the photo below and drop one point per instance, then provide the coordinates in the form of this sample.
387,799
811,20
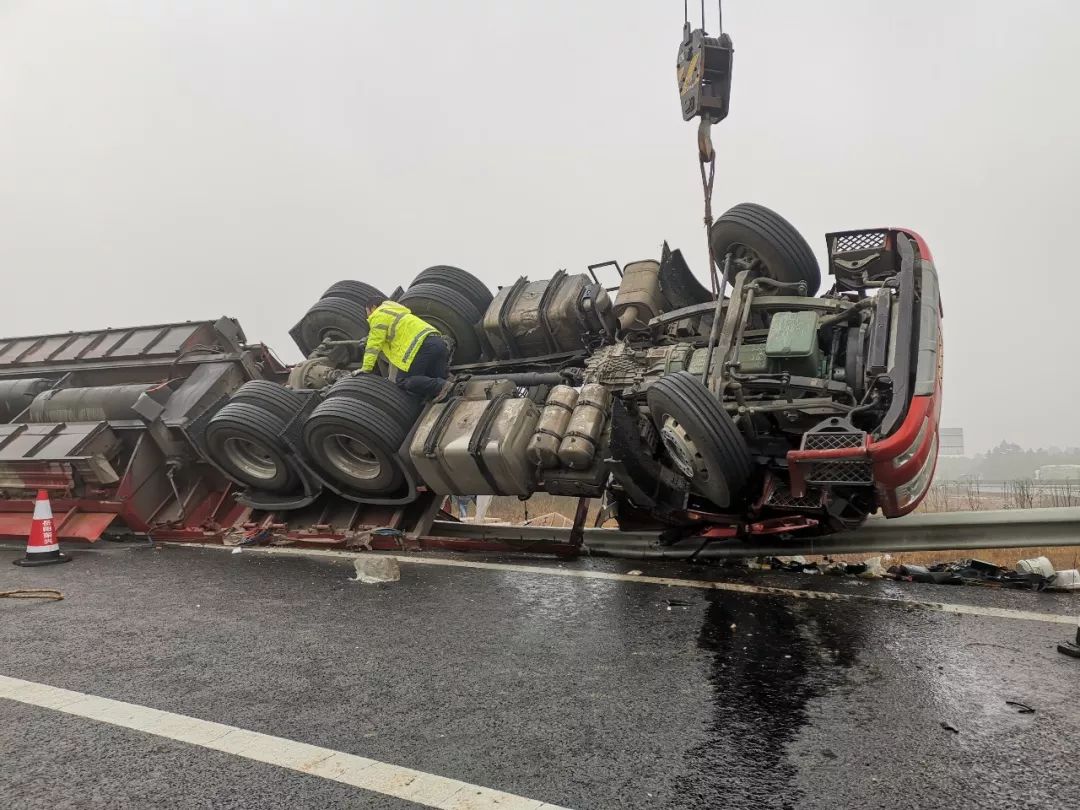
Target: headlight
910,491
909,454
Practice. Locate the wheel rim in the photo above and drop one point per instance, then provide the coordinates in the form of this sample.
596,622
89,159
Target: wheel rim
352,456
686,457
680,447
252,458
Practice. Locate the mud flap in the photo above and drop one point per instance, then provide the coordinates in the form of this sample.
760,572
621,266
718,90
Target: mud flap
678,283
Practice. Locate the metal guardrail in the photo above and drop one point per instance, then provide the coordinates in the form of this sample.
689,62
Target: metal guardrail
1008,528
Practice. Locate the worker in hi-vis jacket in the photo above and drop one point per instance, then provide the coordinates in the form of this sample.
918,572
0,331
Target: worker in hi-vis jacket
411,344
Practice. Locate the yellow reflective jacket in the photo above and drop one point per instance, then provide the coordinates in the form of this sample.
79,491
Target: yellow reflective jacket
395,332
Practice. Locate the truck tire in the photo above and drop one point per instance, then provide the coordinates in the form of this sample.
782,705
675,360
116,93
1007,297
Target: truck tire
754,234
356,291
330,319
700,437
354,442
451,313
244,440
378,391
460,280
272,397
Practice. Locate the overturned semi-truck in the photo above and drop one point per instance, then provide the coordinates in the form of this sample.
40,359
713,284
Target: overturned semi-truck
761,409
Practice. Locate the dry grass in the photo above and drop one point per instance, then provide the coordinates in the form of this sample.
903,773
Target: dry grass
515,511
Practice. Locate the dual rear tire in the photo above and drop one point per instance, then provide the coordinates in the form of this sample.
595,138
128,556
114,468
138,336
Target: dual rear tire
454,302
245,437
353,437
340,314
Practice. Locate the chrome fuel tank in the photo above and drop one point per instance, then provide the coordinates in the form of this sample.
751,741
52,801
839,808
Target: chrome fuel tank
476,446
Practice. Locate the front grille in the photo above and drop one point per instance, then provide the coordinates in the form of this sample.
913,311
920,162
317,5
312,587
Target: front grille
839,472
833,441
860,240
781,498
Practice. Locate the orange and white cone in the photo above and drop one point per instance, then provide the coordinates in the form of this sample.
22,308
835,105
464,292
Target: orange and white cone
42,547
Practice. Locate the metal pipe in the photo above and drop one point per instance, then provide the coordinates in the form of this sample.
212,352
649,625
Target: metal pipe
717,317
87,404
530,378
16,395
846,315
732,357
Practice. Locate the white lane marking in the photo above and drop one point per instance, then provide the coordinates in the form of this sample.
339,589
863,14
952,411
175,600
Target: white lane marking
737,587
378,777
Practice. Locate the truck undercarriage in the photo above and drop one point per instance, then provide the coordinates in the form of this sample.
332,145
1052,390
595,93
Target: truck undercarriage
763,411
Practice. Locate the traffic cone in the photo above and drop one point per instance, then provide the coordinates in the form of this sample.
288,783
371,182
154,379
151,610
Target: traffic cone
42,547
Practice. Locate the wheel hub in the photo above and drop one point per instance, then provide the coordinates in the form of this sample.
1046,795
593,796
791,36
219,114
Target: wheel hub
746,258
680,447
252,458
352,456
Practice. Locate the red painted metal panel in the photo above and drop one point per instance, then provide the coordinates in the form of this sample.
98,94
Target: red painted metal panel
79,526
14,524
86,525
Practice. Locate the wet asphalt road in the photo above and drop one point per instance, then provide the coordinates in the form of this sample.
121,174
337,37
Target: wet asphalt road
580,692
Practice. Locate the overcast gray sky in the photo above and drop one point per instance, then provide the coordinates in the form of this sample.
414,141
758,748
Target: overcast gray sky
170,161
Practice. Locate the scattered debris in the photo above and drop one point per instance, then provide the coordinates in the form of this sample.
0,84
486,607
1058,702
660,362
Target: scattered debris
676,603
1023,707
794,565
920,573
33,593
634,573
1070,648
1036,574
1068,580
873,569
236,550
945,724
1038,565
375,569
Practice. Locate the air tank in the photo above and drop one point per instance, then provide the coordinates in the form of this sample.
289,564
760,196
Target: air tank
87,404
15,395
543,449
578,447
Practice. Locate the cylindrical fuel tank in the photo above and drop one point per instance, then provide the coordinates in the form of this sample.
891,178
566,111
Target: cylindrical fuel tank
87,404
15,395
578,446
543,449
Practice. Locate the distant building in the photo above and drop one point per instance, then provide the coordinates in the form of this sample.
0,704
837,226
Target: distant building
1058,472
951,441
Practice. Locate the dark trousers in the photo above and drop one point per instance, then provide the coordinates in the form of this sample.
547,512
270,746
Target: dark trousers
429,370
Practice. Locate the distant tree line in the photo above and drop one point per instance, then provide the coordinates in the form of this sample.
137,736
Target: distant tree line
1005,462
